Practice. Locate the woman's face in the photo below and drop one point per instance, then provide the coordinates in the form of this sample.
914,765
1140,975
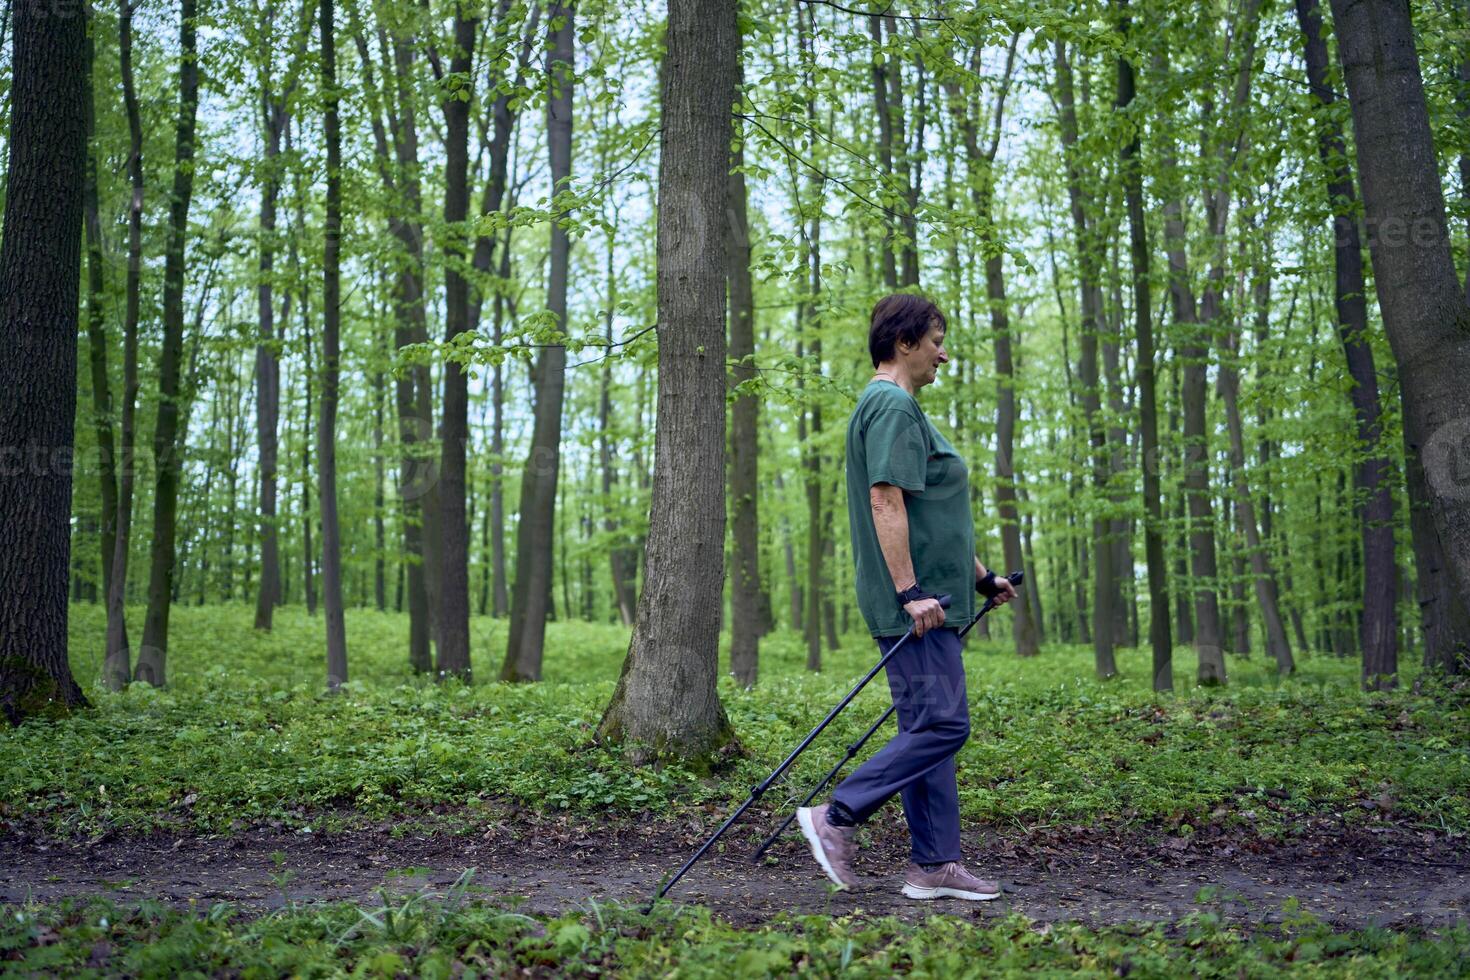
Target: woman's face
923,359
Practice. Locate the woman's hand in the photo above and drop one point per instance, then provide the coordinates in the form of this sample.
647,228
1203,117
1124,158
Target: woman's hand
927,614
993,586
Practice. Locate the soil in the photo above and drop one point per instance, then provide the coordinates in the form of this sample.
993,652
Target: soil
1384,874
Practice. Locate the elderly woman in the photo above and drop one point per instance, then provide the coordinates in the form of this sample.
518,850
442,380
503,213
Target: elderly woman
908,504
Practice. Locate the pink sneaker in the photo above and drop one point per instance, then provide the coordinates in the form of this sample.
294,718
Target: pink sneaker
833,847
948,881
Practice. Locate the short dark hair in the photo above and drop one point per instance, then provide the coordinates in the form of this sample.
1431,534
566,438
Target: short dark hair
900,317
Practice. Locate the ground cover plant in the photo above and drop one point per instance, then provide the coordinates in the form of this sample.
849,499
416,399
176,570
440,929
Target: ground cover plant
244,734
462,935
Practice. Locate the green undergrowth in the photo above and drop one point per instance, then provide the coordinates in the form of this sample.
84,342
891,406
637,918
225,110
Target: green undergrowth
243,734
462,936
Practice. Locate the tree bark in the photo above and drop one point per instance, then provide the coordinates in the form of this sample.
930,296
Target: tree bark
153,655
453,621
40,268
534,535
1425,312
1263,576
1161,642
666,704
413,392
1371,475
1088,272
981,177
331,355
118,666
115,675
267,359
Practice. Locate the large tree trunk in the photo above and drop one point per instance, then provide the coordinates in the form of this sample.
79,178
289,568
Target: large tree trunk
666,703
1371,476
530,604
153,655
1160,639
1424,310
40,266
331,355
1088,258
268,363
115,675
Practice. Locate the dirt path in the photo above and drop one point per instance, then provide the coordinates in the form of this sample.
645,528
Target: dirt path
1389,877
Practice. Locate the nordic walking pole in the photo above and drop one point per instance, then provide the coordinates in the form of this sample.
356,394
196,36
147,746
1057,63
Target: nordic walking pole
757,792
856,747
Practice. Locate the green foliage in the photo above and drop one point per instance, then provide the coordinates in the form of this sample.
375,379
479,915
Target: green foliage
246,734
421,936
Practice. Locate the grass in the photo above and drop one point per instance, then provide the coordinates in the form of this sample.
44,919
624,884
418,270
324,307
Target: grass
244,734
464,935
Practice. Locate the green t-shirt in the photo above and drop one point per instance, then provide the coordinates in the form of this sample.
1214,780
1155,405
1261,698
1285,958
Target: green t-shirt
890,440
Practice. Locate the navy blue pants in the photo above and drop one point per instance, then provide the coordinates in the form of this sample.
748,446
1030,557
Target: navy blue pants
927,681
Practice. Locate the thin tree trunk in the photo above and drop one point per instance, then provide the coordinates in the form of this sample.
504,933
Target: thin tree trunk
1024,628
1372,474
115,675
117,668
1263,576
331,356
308,381
40,268
623,595
530,603
1161,642
1088,272
497,451
666,703
746,597
380,503
268,364
453,599
885,144
153,654
413,392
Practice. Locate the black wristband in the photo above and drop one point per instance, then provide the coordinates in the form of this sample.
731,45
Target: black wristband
987,586
913,594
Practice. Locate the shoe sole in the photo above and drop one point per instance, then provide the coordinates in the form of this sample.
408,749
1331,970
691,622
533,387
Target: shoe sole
922,893
809,831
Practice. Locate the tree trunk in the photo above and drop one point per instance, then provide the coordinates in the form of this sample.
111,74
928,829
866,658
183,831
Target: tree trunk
1088,272
666,703
1425,313
40,266
114,674
413,393
118,667
331,355
501,594
1263,576
153,655
268,364
1371,475
982,193
453,621
1161,642
530,602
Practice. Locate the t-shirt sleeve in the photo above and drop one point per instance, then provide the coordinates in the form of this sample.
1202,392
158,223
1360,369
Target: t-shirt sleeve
896,451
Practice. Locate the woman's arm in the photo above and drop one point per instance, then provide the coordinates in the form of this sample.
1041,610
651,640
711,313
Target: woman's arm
891,522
